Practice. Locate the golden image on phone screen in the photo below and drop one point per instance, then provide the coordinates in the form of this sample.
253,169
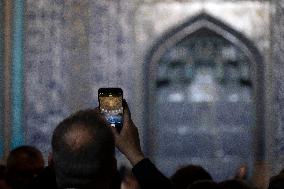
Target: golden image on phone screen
110,103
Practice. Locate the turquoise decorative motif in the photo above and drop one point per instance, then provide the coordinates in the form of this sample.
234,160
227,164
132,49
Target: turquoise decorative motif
17,74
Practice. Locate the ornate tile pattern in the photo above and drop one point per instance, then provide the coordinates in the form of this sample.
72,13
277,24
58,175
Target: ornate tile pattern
278,72
71,49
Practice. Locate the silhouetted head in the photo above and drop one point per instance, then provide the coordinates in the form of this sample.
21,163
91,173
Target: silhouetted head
83,151
277,182
23,164
235,184
185,176
205,184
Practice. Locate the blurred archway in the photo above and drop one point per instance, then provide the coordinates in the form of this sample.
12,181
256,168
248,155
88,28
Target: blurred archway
204,98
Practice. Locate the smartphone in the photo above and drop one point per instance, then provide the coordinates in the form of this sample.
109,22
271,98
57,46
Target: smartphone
110,104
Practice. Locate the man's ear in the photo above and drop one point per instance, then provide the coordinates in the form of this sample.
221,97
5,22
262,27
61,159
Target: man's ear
50,159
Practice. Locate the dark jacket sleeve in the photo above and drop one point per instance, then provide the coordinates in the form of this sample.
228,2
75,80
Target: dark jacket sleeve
149,176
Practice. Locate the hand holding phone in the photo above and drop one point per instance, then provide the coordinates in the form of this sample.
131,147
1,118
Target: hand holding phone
110,105
127,141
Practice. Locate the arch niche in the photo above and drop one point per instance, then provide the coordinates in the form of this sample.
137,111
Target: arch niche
227,144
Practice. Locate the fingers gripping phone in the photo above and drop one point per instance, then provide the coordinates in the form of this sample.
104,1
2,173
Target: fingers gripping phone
110,104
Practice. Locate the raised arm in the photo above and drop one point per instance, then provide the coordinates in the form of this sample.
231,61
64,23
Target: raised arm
128,142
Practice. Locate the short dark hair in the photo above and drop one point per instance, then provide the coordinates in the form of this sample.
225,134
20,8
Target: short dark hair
188,175
23,164
26,153
83,150
277,182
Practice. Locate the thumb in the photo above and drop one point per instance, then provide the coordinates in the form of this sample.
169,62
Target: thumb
114,131
126,111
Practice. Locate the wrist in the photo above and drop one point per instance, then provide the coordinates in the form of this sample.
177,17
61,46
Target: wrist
135,158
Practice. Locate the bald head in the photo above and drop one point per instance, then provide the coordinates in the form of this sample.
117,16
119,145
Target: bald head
77,137
83,148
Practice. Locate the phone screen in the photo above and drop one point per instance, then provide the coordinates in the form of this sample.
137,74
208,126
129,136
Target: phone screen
110,102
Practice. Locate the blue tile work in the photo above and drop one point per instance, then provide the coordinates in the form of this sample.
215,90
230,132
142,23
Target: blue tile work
111,43
71,49
1,83
45,77
278,72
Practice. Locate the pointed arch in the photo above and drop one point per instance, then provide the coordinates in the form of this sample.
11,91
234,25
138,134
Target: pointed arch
188,28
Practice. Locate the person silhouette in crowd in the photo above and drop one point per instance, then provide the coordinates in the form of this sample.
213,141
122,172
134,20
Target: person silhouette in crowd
24,163
235,184
83,154
3,183
277,182
204,184
187,175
